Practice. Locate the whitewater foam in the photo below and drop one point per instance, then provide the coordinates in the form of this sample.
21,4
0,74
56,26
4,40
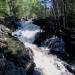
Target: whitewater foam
47,64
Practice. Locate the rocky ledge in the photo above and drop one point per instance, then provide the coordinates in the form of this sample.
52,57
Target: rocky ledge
15,59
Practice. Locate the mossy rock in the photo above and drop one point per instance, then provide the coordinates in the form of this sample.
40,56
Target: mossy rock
14,45
8,42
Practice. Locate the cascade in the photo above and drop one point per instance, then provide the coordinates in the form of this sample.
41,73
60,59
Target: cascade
45,64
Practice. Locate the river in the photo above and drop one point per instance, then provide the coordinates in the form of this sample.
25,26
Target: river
46,64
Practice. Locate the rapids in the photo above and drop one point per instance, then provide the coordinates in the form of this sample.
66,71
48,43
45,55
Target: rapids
45,64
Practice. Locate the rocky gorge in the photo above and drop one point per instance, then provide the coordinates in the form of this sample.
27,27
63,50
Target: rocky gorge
30,50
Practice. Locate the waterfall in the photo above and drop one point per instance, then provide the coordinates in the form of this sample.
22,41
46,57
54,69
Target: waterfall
45,64
55,43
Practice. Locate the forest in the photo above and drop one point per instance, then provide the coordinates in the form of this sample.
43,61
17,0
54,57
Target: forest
59,10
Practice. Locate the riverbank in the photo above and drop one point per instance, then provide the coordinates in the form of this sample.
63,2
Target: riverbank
14,57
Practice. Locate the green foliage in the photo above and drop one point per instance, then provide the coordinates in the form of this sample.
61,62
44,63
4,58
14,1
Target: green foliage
71,10
37,10
3,8
22,8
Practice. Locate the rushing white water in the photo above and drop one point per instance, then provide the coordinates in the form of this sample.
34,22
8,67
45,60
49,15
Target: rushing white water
55,43
46,64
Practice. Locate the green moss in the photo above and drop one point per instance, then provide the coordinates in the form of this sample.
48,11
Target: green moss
12,43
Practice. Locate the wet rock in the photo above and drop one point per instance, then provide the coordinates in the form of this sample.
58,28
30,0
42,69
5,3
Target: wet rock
2,59
40,37
48,24
8,68
22,61
70,68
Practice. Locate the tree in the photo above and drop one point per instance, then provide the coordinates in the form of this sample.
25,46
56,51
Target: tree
4,11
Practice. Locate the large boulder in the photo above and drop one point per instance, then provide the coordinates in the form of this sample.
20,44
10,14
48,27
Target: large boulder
8,68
